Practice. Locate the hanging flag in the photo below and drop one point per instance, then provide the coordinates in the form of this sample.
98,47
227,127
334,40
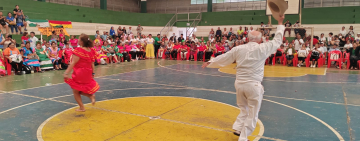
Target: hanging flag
65,24
40,23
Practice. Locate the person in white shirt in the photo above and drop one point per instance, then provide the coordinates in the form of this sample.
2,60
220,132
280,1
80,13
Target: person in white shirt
323,47
302,54
348,45
250,59
33,40
357,38
322,38
298,42
129,31
194,39
251,29
343,31
211,39
329,39
286,44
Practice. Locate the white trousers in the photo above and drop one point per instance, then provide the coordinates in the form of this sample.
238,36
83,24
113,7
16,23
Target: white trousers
183,55
248,97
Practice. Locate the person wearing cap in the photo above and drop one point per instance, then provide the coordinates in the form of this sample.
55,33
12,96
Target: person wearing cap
139,29
250,59
150,47
357,38
343,31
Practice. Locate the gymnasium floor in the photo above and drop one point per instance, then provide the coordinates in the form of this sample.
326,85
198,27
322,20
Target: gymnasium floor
158,100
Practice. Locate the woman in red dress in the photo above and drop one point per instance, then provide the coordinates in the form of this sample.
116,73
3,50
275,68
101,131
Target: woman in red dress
82,81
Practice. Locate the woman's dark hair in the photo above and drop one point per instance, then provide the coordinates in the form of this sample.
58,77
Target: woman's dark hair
104,42
87,42
10,44
9,13
53,32
118,43
331,33
27,43
25,33
53,42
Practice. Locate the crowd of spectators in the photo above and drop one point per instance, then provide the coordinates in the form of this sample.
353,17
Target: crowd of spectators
124,44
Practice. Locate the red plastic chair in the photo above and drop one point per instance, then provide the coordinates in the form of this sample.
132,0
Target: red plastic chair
295,60
7,65
188,55
285,60
277,57
346,58
307,60
338,61
359,64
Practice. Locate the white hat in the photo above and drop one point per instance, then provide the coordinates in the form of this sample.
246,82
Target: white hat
277,7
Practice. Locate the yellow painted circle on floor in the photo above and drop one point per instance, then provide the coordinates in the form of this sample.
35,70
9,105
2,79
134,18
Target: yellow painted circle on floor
146,119
280,71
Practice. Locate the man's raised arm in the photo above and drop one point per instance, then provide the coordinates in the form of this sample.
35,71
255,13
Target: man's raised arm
273,45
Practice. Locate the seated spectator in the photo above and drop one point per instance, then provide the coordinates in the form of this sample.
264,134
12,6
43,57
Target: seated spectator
357,38
210,47
66,53
354,56
73,42
290,54
286,44
342,40
230,32
97,33
329,39
220,49
168,49
343,31
176,48
62,35
14,58
54,56
211,34
119,55
126,51
161,49
302,54
46,45
323,47
12,23
193,49
183,51
134,50
351,31
20,21
201,51
108,50
24,38
218,32
348,44
3,23
61,44
30,58
349,38
225,32
240,31
315,55
287,24
322,38
194,39
45,62
226,46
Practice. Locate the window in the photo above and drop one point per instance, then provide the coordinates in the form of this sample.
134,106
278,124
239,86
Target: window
199,1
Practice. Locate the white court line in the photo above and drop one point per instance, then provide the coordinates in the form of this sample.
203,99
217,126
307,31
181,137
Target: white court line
20,106
327,125
310,100
332,129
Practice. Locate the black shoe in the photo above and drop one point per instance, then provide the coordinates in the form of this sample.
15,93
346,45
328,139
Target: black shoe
18,73
237,134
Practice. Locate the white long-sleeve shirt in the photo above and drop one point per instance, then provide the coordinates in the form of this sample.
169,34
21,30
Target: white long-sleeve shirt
250,58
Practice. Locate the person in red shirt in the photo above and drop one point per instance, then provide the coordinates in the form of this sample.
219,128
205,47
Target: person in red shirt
193,50
315,41
24,38
174,50
183,50
219,48
201,51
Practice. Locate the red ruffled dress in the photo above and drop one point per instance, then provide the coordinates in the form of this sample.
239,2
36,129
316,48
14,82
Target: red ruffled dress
82,79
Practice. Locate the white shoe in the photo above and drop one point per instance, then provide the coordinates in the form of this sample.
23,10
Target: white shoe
312,66
299,65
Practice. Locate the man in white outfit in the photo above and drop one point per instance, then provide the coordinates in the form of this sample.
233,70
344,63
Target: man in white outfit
250,59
